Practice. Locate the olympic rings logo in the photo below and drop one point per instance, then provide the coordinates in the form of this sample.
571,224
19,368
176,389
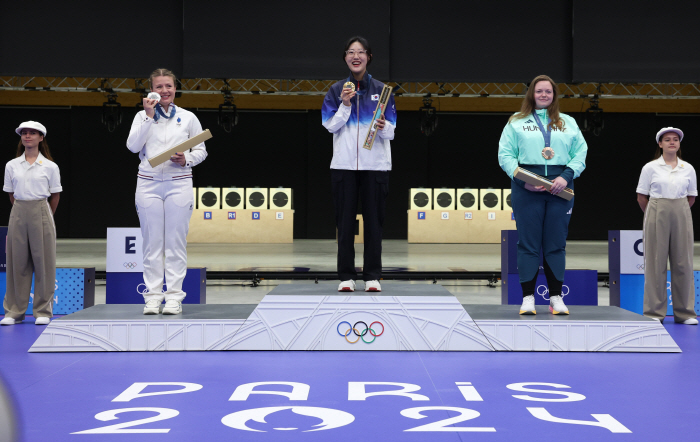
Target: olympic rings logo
362,334
545,292
130,265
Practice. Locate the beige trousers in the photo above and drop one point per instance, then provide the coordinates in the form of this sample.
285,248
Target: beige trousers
668,237
31,248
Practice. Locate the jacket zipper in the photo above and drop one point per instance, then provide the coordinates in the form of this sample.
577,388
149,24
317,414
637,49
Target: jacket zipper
357,103
545,114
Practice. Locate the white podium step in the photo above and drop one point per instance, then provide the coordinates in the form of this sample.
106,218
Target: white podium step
410,317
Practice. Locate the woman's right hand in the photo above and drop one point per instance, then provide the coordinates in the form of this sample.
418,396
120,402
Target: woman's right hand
532,188
150,107
346,95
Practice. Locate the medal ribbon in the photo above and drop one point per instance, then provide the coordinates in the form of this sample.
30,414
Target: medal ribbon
159,110
546,134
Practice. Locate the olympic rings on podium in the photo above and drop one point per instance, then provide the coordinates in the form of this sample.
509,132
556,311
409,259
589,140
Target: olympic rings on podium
360,335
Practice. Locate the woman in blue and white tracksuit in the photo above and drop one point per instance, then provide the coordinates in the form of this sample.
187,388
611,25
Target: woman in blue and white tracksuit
164,196
357,172
548,143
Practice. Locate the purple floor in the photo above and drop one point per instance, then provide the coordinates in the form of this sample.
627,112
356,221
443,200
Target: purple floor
653,396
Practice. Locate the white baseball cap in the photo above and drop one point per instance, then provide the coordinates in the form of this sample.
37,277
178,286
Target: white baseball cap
664,130
31,125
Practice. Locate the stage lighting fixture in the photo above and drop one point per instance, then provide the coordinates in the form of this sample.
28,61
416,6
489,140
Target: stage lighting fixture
209,198
490,199
593,120
232,198
428,117
256,198
281,198
443,199
111,113
140,89
467,199
507,203
228,114
420,199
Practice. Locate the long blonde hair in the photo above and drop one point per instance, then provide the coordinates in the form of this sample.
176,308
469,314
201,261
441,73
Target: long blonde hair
529,104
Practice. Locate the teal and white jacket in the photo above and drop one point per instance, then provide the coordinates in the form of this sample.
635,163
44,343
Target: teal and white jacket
522,143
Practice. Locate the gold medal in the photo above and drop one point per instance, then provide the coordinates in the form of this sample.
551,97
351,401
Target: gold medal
548,153
349,85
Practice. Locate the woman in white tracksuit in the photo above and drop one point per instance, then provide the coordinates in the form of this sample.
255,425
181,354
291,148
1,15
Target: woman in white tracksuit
164,196
34,184
666,191
356,172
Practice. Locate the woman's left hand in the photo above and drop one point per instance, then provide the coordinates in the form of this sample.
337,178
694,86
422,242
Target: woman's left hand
179,158
380,123
558,185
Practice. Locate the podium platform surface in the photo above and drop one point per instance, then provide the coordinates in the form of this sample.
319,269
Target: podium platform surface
134,312
403,317
387,290
578,313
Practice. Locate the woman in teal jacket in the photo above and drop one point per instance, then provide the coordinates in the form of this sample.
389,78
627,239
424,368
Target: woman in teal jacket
544,141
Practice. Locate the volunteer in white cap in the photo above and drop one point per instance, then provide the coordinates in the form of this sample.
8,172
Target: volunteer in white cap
34,184
666,191
164,197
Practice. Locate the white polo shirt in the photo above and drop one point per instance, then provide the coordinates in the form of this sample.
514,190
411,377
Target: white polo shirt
659,180
32,182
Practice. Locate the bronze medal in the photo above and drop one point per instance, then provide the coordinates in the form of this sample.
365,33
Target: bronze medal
548,153
349,85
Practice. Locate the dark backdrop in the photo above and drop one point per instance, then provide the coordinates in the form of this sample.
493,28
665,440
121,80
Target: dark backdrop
643,41
439,40
127,38
480,41
292,149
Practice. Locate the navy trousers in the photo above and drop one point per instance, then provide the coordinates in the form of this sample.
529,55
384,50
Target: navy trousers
372,188
542,220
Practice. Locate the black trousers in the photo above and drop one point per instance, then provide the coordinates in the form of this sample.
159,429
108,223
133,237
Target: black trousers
372,188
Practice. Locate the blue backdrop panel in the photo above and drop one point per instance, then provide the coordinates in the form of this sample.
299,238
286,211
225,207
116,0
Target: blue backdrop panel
74,291
3,252
632,293
127,287
580,288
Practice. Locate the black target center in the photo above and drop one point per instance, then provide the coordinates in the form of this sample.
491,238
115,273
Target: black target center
256,199
444,199
490,200
280,199
233,199
421,199
467,200
209,199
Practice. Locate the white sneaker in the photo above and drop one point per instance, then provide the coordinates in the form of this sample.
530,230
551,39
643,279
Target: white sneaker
9,321
347,286
528,307
691,321
152,307
373,286
172,307
557,306
42,320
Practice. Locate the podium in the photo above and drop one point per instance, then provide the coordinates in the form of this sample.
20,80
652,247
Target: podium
580,286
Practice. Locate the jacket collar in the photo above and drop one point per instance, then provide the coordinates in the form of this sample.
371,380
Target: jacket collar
364,83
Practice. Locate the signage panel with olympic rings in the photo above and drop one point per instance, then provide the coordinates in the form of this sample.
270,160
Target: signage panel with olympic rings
360,334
